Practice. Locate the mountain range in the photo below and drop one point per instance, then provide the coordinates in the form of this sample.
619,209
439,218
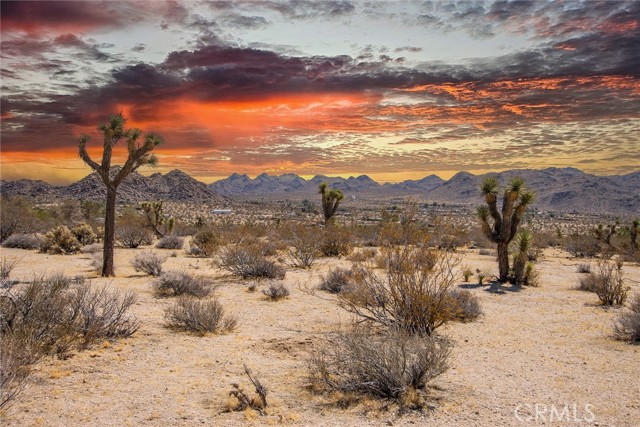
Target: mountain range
557,189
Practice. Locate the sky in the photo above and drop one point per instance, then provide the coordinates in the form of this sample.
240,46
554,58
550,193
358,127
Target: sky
395,90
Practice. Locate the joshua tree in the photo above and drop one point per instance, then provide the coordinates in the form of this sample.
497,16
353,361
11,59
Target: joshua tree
155,218
138,155
505,224
330,201
633,233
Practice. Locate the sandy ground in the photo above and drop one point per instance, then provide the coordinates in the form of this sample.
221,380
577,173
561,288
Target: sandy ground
533,351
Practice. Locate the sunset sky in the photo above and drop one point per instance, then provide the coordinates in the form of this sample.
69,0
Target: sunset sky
395,90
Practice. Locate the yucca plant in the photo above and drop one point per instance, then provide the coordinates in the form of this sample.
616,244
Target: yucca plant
330,201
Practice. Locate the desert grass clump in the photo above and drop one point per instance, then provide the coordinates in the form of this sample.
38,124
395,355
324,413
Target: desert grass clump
276,292
408,294
200,316
249,262
207,241
466,274
22,241
466,305
176,283
626,327
60,240
170,242
149,263
84,234
383,364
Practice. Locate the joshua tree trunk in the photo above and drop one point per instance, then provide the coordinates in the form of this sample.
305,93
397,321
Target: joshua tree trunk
109,233
503,262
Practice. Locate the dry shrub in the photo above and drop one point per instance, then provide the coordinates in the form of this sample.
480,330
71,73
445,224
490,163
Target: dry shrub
51,316
410,294
248,261
363,255
199,316
466,305
388,364
607,282
176,283
92,248
84,234
627,326
339,279
170,242
6,267
22,241
132,235
584,268
59,240
582,245
207,241
336,241
303,245
244,401
149,262
276,292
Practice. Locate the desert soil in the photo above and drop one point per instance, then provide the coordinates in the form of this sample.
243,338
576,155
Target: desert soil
549,346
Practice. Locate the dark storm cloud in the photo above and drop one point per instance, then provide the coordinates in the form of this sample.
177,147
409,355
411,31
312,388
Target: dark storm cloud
33,15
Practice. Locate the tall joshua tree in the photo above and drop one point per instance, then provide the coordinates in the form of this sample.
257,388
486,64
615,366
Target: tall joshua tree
139,154
633,233
505,224
330,201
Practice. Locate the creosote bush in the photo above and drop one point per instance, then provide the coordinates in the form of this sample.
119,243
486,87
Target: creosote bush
170,242
60,240
176,283
201,316
626,327
248,261
207,241
149,262
336,241
607,281
22,241
276,292
303,245
385,364
409,294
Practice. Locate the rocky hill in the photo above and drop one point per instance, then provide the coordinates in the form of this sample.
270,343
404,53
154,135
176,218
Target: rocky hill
557,189
174,186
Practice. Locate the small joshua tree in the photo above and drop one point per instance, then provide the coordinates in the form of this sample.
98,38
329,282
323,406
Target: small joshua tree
505,224
330,201
155,218
633,233
138,155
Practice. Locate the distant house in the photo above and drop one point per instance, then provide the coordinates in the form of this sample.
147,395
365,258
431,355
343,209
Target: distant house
222,211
